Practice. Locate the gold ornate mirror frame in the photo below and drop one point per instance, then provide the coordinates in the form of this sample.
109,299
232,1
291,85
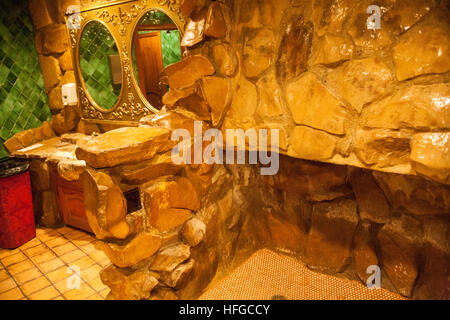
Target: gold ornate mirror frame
120,17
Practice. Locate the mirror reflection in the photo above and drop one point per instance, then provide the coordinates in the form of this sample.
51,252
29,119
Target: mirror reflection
156,44
100,64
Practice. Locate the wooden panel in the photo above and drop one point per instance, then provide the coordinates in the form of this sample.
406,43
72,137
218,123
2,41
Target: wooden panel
150,65
70,198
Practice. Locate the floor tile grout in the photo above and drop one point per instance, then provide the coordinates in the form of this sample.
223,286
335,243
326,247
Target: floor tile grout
41,232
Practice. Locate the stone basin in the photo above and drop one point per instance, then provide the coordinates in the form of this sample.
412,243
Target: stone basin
124,145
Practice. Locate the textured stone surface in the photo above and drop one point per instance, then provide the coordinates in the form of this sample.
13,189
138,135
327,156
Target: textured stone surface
417,107
169,203
12,144
178,277
417,195
126,285
364,251
244,102
196,104
258,52
399,248
174,95
295,48
423,49
55,99
124,145
51,71
65,61
163,293
314,180
331,49
217,92
195,31
142,246
360,81
175,119
56,39
329,15
369,40
160,165
384,148
225,59
312,144
190,7
330,238
430,155
433,282
372,203
404,14
106,207
66,120
270,98
215,25
185,73
40,14
71,169
313,105
194,231
169,258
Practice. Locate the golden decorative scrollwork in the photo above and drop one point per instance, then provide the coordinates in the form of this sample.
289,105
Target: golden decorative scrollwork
174,6
120,18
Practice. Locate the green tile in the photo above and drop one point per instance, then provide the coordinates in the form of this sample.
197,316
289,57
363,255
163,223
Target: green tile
22,98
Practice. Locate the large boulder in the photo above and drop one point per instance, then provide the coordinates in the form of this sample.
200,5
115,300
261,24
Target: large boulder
106,206
423,50
135,174
186,72
129,285
372,203
417,195
312,104
127,254
414,107
364,250
169,204
330,238
400,245
360,81
430,155
169,258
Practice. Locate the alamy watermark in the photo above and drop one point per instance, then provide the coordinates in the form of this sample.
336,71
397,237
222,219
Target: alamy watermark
74,281
236,142
374,21
374,281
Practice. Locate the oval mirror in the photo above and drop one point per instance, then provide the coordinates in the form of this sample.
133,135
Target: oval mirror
101,70
156,44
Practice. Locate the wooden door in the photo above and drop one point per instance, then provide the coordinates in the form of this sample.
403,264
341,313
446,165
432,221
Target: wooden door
70,198
150,65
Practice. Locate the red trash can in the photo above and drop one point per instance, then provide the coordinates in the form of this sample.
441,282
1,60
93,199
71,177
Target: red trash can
16,204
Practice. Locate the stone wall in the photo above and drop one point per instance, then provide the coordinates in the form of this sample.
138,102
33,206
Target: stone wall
338,92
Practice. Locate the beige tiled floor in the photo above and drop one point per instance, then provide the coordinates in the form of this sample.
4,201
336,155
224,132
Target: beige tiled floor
40,269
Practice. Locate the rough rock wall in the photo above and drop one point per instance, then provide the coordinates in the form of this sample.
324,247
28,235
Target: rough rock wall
198,221
338,92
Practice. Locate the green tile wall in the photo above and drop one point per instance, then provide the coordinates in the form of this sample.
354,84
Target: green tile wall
95,47
23,102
